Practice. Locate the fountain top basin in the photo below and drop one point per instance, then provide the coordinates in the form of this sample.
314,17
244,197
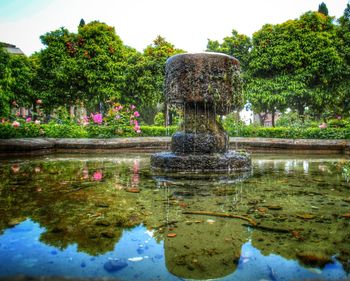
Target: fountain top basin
210,79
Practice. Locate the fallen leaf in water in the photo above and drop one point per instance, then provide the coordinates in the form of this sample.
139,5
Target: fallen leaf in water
306,216
274,207
262,210
133,190
296,234
347,215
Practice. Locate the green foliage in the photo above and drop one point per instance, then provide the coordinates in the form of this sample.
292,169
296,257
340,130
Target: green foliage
290,133
232,123
159,119
236,45
54,130
150,71
5,80
339,123
16,81
293,119
295,64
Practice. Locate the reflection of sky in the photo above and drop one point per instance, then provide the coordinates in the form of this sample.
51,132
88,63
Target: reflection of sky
21,252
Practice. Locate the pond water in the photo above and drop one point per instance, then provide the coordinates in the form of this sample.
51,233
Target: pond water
109,216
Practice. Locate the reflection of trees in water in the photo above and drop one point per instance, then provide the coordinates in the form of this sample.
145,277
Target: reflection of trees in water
76,202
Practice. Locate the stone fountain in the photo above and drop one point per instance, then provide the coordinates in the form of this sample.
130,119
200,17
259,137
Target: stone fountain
204,85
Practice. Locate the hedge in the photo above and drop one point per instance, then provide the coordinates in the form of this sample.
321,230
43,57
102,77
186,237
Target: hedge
53,130
291,133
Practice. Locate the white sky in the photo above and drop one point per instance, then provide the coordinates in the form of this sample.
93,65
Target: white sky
185,23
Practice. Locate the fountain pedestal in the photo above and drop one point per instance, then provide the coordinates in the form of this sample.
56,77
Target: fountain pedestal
204,85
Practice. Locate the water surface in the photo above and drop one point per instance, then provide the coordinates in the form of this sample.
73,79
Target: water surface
109,216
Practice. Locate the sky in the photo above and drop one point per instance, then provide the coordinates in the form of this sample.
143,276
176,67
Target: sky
188,24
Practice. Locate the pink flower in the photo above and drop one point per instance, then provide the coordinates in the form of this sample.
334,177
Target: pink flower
97,176
28,119
338,117
97,118
38,101
132,107
137,128
117,117
136,114
119,107
15,124
37,122
323,126
18,113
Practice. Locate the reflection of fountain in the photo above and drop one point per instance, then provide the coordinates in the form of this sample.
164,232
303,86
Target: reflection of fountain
205,249
204,84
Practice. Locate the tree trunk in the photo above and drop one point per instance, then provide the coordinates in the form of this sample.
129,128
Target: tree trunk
71,111
273,118
301,113
262,118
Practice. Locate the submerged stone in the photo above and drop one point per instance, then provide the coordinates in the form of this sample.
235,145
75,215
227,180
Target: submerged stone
114,265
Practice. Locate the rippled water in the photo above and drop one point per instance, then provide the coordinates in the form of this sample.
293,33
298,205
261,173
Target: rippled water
109,216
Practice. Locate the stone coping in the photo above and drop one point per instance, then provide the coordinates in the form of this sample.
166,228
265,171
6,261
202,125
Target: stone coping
10,147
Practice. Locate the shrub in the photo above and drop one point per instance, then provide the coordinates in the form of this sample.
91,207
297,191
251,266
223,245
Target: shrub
159,119
53,130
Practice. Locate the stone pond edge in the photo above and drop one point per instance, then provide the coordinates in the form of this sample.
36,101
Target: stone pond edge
9,147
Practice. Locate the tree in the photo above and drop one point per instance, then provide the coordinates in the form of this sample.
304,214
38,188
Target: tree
322,8
84,67
301,59
6,96
152,67
101,59
82,23
236,45
343,90
59,80
16,76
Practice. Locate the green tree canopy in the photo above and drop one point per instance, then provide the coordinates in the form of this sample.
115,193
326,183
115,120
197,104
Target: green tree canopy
87,66
301,58
236,45
16,76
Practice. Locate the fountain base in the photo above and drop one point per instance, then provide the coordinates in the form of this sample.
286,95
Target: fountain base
223,162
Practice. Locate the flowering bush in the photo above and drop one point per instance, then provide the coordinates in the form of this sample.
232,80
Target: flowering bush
123,117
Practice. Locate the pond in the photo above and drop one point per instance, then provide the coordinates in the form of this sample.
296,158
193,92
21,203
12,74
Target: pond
108,216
